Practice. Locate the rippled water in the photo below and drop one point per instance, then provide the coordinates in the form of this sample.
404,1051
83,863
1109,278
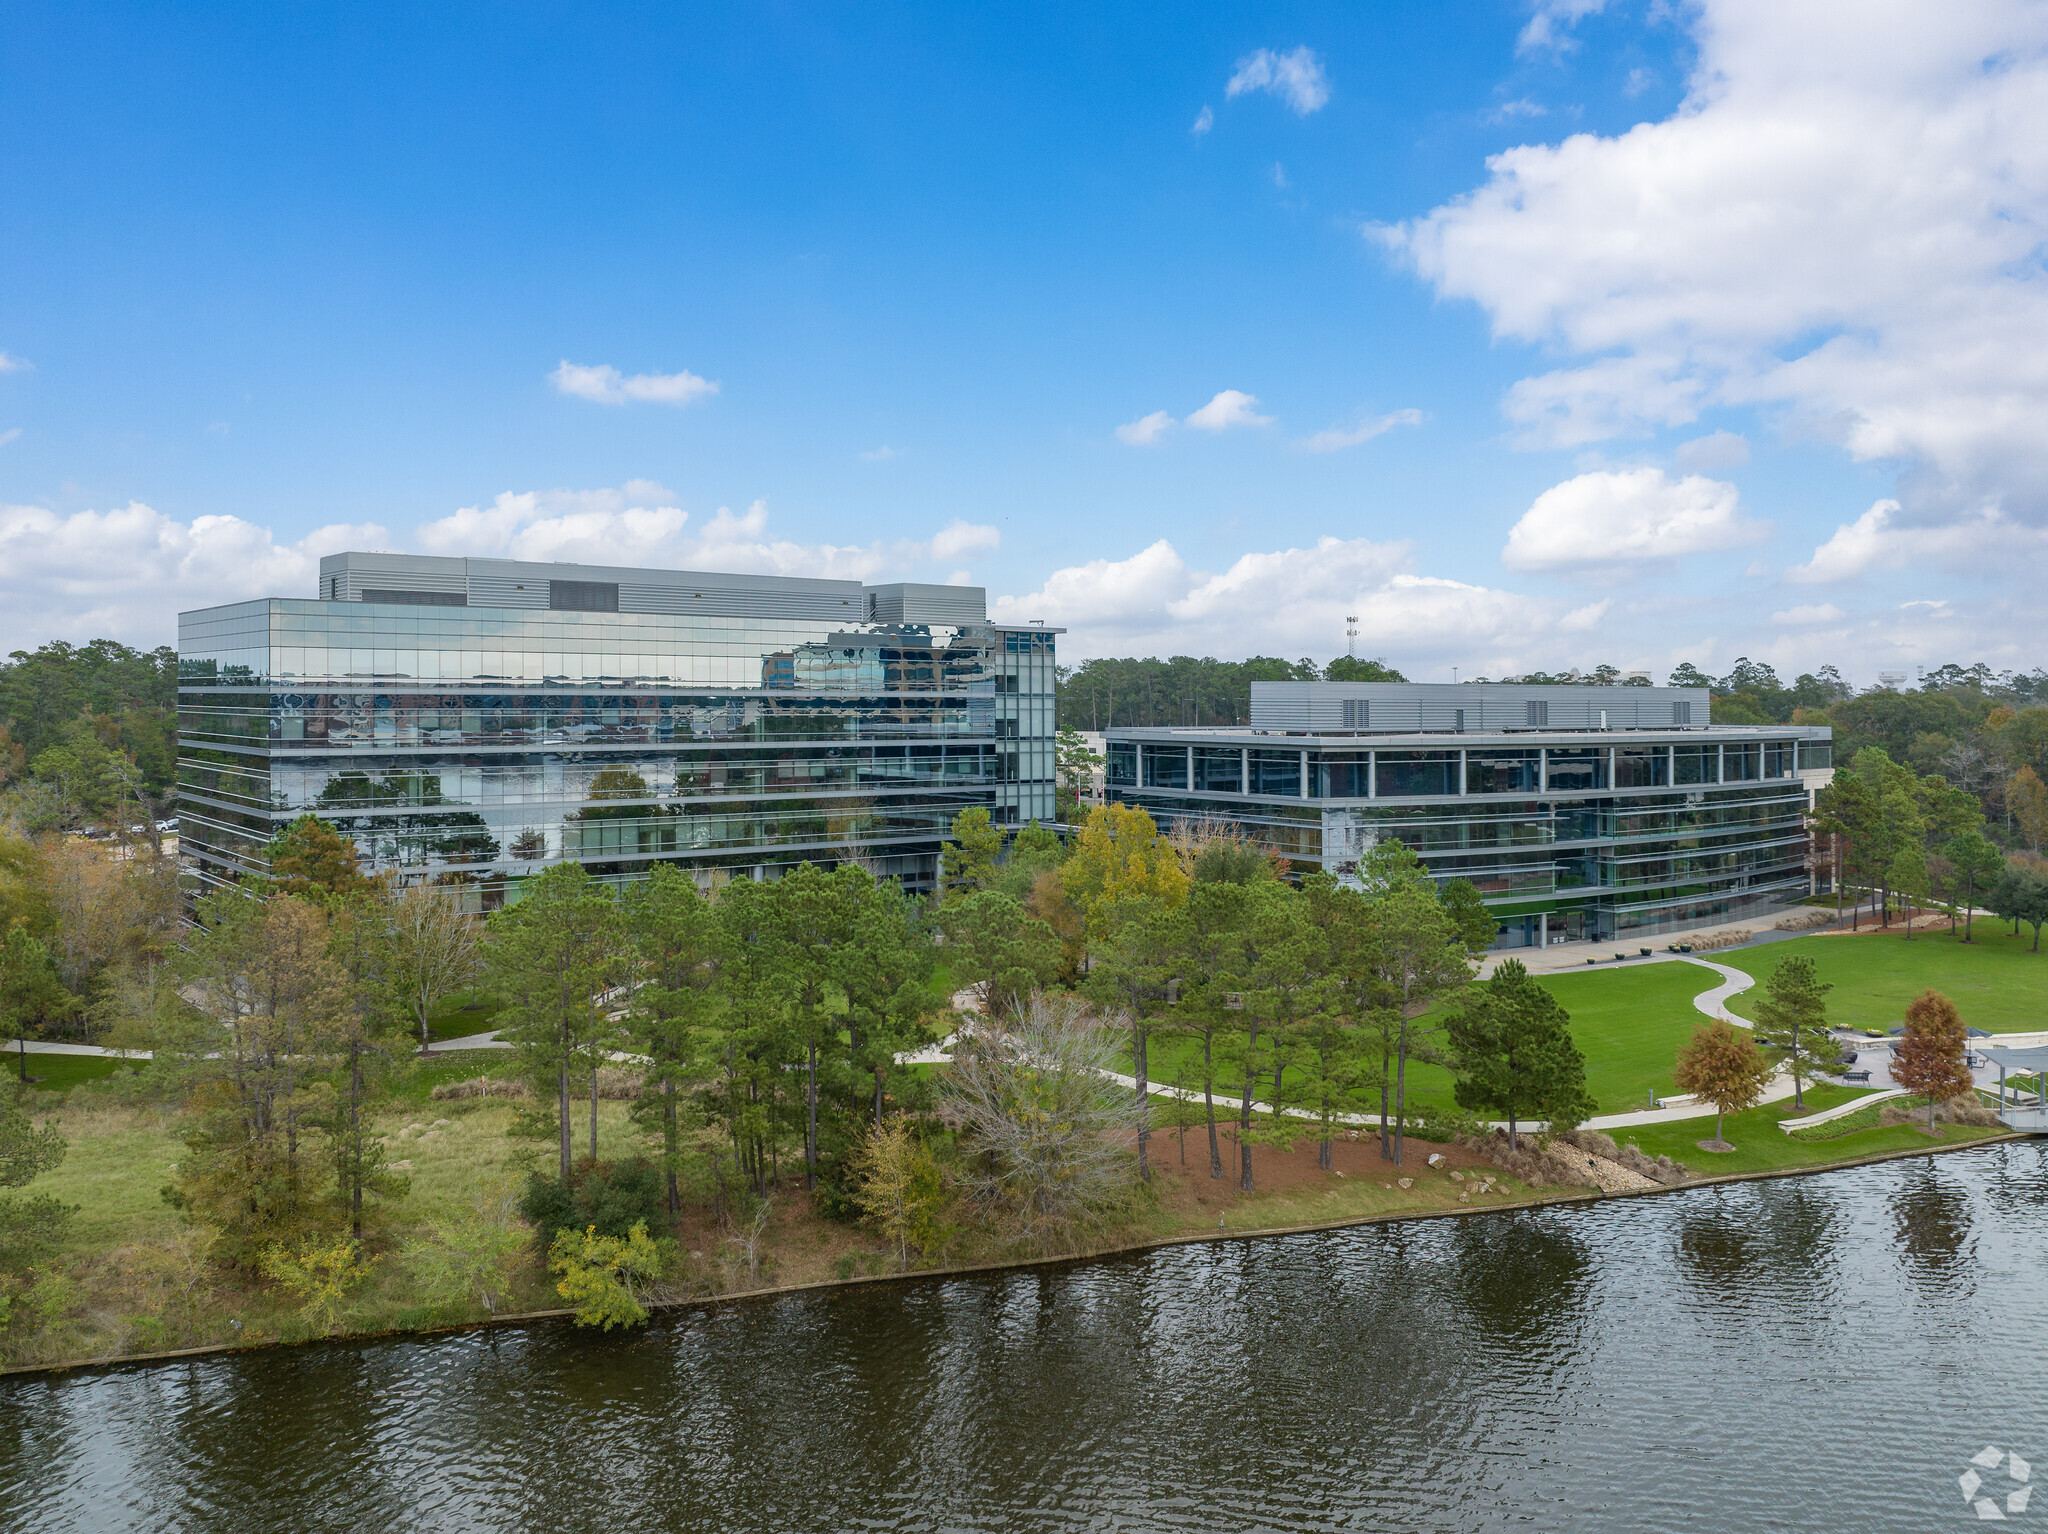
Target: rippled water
1822,1353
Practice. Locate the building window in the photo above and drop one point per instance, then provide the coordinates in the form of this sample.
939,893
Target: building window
1217,769
1538,715
1399,774
1120,765
1695,764
1681,713
583,596
1166,767
1503,772
1276,772
1577,771
1649,768
1741,764
1815,755
1342,777
1357,713
1779,758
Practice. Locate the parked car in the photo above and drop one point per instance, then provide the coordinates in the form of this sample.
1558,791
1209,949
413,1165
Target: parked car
167,827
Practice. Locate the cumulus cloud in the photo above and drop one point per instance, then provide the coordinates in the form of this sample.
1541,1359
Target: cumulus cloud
1335,438
1842,221
1297,78
642,523
1881,539
606,385
1230,408
1146,430
1824,612
126,573
1618,517
1719,450
12,364
1293,602
1204,121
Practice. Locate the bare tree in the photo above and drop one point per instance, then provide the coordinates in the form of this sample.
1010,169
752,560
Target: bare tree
1052,1127
435,949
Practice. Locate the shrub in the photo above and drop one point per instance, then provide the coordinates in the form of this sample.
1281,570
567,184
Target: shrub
600,1274
609,1197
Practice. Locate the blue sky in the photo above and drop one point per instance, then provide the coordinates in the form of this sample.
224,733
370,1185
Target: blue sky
1737,350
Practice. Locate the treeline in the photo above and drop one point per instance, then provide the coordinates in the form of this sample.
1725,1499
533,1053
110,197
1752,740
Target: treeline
88,737
1185,691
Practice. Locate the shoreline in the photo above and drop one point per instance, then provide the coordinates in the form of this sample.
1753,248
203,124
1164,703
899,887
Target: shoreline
527,1318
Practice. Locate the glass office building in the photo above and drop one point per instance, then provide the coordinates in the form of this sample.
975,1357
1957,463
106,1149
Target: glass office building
473,720
1579,812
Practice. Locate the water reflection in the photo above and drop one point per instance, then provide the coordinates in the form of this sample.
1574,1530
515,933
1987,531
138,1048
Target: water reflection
1632,1365
1931,1219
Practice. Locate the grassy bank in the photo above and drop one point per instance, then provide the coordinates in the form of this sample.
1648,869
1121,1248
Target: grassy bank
134,1276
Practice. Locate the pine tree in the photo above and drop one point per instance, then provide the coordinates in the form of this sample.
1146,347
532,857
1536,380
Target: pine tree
1512,1046
1792,1022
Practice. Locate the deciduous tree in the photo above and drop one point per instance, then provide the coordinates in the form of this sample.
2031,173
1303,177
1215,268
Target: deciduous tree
1929,1059
1723,1065
433,949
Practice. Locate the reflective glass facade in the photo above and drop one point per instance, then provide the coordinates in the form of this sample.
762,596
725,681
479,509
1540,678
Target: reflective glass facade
1567,834
477,744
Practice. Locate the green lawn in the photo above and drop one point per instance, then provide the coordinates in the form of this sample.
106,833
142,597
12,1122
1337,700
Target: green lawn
1761,1146
1629,1023
1994,981
60,1073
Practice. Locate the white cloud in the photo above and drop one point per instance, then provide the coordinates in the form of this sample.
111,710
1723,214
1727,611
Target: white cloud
1296,78
640,523
1230,408
606,385
1293,602
1204,121
880,454
1550,26
1333,438
127,573
1279,174
1146,430
9,435
1613,518
11,364
1842,220
1639,80
1825,612
1718,450
1523,106
1881,539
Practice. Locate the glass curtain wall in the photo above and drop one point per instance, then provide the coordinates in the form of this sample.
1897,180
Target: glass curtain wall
476,745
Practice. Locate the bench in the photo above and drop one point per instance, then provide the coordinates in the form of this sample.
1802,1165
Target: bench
1856,1075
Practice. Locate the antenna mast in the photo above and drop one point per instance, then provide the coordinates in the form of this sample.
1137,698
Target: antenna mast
1351,636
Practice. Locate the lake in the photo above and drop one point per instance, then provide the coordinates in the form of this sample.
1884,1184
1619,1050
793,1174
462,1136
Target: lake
1820,1353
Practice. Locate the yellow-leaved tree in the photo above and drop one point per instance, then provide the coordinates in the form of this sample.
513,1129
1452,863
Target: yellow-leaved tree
1120,855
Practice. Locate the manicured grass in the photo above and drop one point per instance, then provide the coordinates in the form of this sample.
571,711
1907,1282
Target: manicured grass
58,1073
1995,982
1629,1024
460,1016
1761,1146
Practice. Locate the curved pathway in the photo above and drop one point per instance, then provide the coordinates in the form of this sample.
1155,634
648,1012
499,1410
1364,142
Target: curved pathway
1715,1002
